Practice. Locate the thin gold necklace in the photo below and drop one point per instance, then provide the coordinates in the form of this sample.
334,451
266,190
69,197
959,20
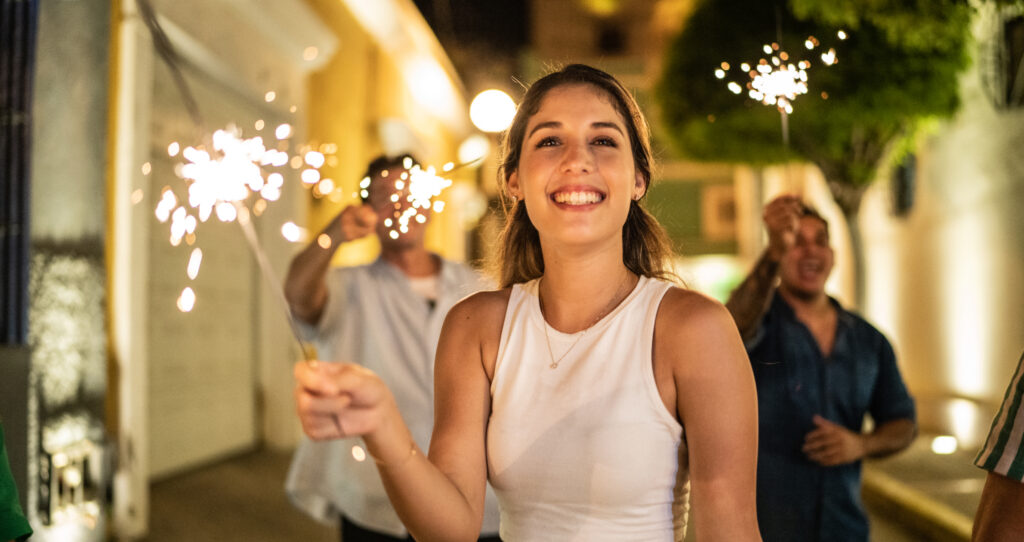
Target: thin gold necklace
600,315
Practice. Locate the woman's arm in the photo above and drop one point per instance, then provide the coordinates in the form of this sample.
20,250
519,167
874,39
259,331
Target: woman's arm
716,400
440,498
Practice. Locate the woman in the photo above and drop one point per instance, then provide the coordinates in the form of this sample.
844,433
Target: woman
570,387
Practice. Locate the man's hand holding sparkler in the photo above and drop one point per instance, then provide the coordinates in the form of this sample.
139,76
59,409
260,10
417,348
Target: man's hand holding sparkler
354,222
781,220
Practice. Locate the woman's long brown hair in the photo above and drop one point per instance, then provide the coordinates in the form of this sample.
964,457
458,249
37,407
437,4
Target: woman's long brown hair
646,249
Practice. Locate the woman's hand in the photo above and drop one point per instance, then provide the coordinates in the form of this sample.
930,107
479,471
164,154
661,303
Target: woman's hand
337,400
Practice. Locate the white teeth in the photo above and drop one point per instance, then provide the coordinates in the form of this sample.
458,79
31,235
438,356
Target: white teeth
578,198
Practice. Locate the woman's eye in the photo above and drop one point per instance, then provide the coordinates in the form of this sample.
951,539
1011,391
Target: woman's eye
547,142
605,141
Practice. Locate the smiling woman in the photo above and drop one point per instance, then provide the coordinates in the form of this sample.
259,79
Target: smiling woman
570,387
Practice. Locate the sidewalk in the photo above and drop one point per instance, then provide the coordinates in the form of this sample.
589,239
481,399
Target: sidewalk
933,496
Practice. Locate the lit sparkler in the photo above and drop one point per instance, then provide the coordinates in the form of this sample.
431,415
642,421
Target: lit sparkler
776,79
419,187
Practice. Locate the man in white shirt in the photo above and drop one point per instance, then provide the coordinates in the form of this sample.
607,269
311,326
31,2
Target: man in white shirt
386,316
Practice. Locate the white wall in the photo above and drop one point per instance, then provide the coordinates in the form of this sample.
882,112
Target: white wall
947,281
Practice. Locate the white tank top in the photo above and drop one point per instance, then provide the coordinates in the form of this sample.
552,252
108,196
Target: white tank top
587,450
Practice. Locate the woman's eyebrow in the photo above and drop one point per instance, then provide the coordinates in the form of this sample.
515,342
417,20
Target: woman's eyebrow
556,124
548,124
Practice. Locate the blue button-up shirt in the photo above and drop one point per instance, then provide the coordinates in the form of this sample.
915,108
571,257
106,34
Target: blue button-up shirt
797,499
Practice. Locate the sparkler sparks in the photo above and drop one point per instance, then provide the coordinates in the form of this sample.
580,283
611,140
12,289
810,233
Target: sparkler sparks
419,188
776,80
222,181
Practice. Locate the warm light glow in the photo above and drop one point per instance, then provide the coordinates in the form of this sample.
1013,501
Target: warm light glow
429,85
194,261
310,176
326,186
944,444
146,168
259,124
291,232
310,53
474,147
187,300
324,241
137,196
283,131
492,110
173,148
358,453
270,96
315,159
841,34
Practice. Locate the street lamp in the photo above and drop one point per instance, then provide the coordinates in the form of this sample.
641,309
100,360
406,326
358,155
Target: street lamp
492,111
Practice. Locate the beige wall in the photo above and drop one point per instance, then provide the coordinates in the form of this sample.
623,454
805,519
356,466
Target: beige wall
947,282
357,101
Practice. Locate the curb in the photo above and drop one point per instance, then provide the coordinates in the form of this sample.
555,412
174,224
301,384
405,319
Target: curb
917,511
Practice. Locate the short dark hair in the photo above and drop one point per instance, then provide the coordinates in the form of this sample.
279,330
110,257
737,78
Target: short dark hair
810,212
383,163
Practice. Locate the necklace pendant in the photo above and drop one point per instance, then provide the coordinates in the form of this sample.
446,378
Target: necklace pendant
554,365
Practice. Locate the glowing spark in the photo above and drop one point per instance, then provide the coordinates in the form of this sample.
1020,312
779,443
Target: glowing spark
173,148
324,241
326,186
270,96
310,176
293,108
358,453
194,261
291,232
146,168
314,159
841,34
137,196
283,131
775,80
829,58
259,124
187,300
310,53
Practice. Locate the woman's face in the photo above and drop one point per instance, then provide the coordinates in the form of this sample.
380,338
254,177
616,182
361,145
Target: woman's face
576,172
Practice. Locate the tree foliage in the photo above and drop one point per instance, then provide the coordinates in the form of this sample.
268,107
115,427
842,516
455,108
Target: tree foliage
899,64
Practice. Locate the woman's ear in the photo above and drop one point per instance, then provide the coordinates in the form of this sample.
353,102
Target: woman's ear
513,186
641,187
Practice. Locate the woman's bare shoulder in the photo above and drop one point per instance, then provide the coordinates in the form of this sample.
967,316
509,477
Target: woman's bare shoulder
694,317
481,309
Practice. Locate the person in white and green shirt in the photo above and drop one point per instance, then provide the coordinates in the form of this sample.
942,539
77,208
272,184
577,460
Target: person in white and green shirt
1000,513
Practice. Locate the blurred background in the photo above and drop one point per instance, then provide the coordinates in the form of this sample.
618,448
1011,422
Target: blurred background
135,410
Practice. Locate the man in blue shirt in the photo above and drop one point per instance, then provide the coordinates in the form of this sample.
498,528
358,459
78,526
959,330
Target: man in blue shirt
819,370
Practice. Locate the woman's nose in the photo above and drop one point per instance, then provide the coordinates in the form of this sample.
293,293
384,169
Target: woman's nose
577,158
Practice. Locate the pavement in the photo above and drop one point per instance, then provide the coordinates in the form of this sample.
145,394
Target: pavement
930,497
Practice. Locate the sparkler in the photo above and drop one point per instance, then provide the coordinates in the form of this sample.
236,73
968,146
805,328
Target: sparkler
224,173
776,80
420,187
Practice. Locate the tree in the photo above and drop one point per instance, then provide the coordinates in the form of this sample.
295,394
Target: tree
898,66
